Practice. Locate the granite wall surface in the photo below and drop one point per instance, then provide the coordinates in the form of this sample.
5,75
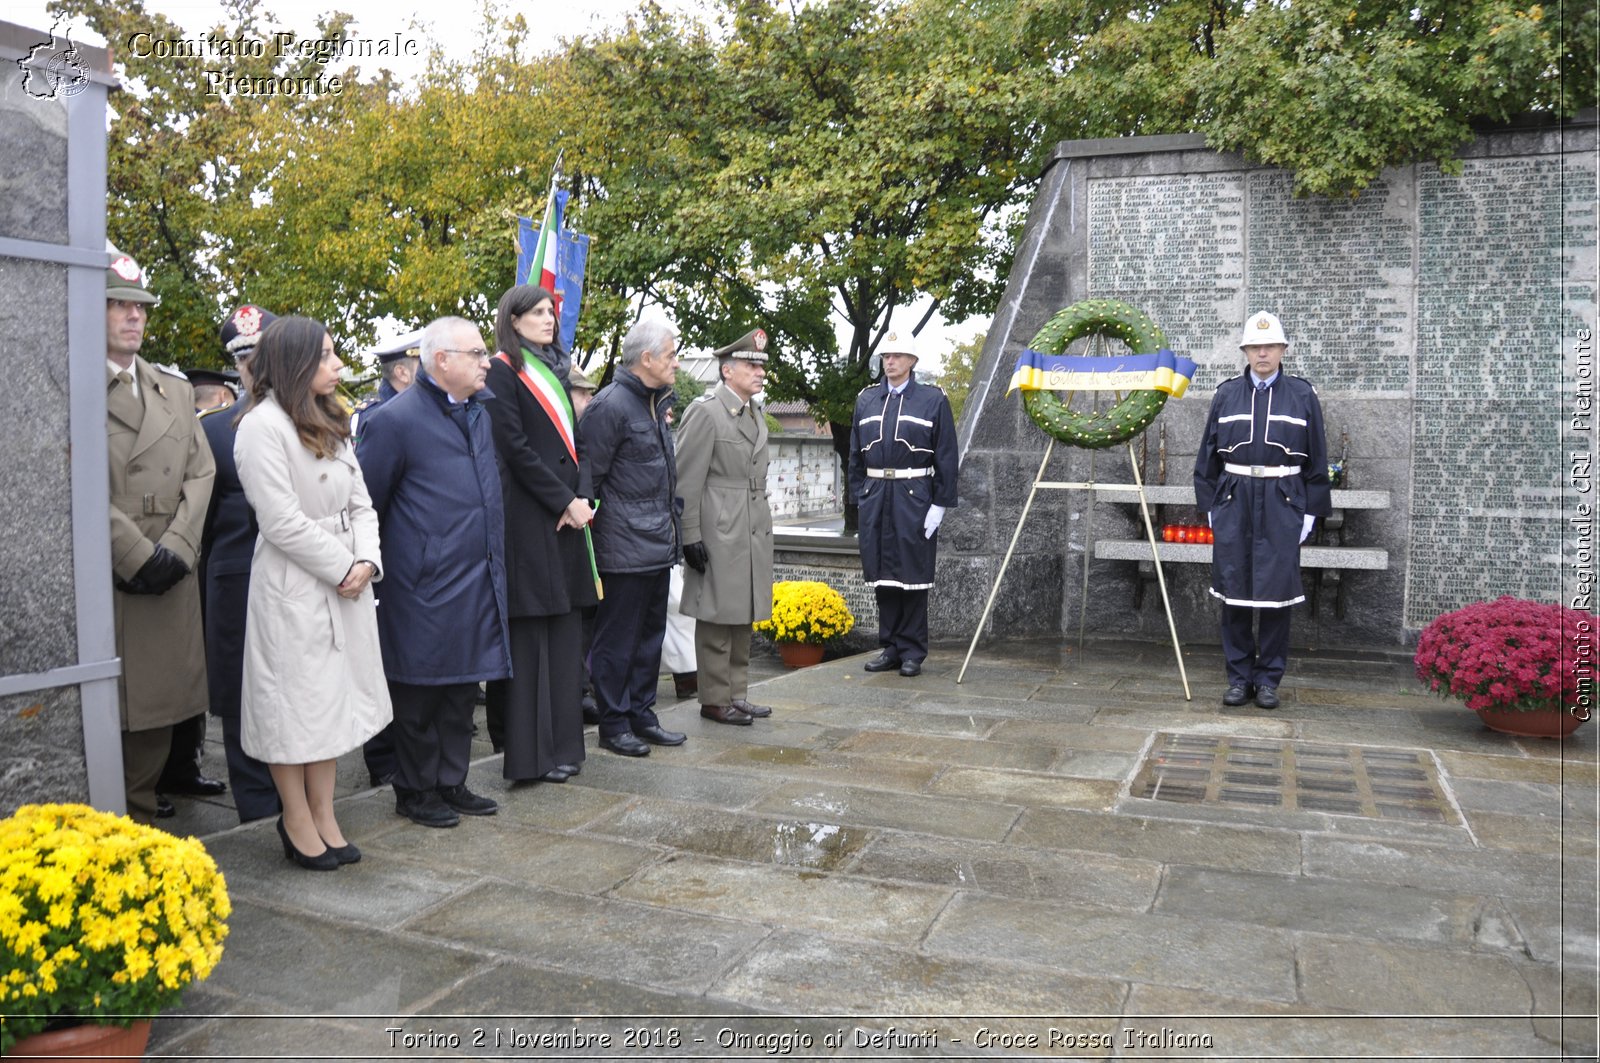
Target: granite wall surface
1431,311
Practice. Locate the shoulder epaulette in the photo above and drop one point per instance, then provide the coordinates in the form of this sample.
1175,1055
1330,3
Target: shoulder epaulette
203,414
704,396
170,370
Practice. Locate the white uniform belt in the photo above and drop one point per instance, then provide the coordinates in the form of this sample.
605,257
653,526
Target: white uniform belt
1262,470
898,474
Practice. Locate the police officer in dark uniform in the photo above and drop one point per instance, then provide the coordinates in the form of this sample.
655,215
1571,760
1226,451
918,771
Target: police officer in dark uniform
397,368
228,543
903,467
1261,475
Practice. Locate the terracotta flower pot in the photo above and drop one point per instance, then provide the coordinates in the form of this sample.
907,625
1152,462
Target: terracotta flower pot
1541,723
800,654
87,1042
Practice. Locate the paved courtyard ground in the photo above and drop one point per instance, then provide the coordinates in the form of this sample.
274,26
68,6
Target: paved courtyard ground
1058,857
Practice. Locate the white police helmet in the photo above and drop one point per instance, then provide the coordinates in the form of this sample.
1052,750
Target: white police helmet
1262,328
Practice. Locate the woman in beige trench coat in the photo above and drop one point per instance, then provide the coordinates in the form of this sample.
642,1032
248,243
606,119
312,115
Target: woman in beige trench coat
313,683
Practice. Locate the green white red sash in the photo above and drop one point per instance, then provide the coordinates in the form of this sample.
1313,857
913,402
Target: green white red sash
548,392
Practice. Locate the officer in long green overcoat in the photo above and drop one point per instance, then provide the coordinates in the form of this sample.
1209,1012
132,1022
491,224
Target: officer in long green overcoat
161,473
727,527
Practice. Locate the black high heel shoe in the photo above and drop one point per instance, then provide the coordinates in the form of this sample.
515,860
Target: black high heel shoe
323,861
345,854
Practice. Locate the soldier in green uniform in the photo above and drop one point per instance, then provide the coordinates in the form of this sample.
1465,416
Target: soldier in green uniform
161,474
727,527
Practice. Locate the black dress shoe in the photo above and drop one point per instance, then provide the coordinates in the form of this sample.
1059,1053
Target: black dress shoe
726,714
910,668
466,802
627,744
165,809
1267,697
657,735
195,786
424,807
323,861
345,854
882,662
1237,694
570,769
758,711
555,775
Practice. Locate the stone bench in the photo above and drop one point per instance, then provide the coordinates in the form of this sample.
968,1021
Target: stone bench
1328,561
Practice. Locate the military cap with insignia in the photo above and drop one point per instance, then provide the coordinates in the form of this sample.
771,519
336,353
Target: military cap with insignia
407,346
751,347
222,377
577,381
125,280
243,329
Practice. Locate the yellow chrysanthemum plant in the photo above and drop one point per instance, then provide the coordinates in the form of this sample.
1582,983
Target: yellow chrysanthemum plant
102,920
806,611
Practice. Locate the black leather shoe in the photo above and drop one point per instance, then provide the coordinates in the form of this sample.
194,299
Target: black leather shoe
657,735
1267,697
195,786
910,668
424,807
165,809
466,802
627,744
323,861
882,662
555,775
345,854
758,711
570,769
726,714
1238,695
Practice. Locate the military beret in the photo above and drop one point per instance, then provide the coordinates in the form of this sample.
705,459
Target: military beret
751,347
125,280
242,331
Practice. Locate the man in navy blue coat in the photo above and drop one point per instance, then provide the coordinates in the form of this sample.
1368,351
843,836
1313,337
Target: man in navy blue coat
904,462
227,545
1261,476
428,458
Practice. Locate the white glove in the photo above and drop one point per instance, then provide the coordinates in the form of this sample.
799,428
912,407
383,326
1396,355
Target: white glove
1208,524
931,522
1305,526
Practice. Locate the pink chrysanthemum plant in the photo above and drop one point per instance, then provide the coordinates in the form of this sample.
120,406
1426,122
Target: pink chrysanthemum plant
1511,655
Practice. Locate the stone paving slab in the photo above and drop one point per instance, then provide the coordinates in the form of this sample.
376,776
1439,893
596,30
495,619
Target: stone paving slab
915,719
737,836
592,936
562,806
663,778
1242,1029
1196,721
1051,710
512,852
1462,869
946,816
772,763
1402,979
942,750
1294,820
1533,834
816,976
1139,837
292,961
1023,788
829,904
1013,871
1076,737
1511,765
1165,950
1331,906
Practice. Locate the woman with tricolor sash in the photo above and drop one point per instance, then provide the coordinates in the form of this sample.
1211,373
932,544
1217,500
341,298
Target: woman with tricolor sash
535,717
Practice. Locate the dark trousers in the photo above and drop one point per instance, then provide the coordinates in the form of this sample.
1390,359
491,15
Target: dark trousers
183,758
625,659
1255,643
254,796
903,622
535,716
432,734
378,752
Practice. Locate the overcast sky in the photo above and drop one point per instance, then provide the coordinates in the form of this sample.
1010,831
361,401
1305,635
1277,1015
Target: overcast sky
458,29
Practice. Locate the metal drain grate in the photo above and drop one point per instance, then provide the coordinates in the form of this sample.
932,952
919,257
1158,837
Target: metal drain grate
1305,776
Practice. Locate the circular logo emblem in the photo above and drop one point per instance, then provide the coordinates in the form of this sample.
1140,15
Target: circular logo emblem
126,268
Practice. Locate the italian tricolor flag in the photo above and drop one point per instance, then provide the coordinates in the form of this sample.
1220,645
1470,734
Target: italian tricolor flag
543,269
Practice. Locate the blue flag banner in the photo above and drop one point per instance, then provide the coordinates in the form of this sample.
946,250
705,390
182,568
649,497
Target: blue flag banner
572,256
1162,371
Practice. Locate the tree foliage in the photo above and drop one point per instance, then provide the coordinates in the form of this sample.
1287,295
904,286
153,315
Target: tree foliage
956,378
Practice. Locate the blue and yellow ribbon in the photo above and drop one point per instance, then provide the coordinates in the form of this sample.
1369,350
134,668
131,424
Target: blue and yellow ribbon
1162,371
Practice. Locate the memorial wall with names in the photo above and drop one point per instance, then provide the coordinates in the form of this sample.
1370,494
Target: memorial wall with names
1431,311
